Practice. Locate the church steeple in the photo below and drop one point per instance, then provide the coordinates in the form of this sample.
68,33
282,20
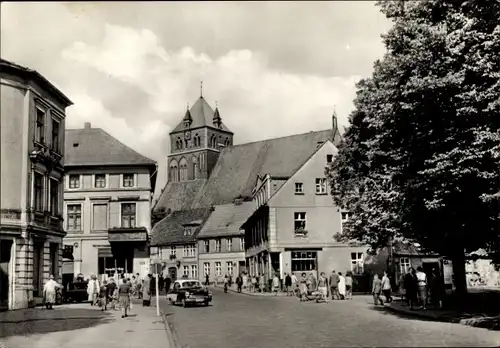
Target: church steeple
217,120
187,118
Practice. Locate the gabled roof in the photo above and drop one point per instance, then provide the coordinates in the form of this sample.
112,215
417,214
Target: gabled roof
9,67
95,147
237,168
170,230
226,219
407,248
202,115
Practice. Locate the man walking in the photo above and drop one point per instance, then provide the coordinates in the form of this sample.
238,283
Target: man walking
334,285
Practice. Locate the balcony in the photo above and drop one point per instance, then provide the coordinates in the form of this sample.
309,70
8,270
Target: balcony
128,234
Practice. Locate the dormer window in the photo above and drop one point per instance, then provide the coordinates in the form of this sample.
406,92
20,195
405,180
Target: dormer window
186,123
187,231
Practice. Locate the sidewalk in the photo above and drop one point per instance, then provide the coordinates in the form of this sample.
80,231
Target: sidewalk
246,292
82,326
451,316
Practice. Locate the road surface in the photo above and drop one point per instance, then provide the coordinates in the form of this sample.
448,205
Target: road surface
238,320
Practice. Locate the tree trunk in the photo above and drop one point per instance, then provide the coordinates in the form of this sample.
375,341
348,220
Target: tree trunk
460,281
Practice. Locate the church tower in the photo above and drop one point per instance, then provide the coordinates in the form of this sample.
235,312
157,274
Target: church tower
196,143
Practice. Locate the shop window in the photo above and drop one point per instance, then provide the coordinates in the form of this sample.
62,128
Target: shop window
304,261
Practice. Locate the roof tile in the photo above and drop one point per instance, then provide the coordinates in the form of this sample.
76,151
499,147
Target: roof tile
227,219
202,115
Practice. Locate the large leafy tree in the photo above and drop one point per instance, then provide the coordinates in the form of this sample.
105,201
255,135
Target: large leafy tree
421,157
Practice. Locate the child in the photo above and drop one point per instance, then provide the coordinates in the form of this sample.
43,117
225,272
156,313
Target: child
103,296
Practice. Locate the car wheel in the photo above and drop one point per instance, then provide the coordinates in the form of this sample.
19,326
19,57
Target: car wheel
205,303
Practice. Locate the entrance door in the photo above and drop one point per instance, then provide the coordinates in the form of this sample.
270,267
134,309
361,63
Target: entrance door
428,267
37,268
5,249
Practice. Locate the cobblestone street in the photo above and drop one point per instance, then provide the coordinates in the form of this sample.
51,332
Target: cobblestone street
238,320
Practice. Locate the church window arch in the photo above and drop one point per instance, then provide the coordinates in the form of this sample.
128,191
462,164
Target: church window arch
186,144
226,142
174,171
196,140
183,170
213,141
179,144
195,167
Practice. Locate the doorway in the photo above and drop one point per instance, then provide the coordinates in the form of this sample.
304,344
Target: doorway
5,264
429,266
37,268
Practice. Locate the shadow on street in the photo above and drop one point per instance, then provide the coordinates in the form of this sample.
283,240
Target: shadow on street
35,320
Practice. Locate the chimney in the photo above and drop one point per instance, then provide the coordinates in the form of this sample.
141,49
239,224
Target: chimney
86,125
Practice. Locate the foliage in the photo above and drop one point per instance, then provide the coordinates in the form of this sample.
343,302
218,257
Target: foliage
158,215
420,159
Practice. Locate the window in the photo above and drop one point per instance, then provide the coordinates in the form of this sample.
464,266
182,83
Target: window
186,271
187,231
345,216
230,268
173,251
183,170
194,271
195,167
99,217
128,215
320,186
55,135
300,221
357,263
54,259
217,246
304,261
242,243
40,126
54,196
74,217
206,268
128,180
38,178
74,181
299,188
404,265
229,244
329,158
174,171
218,269
207,246
100,180
189,250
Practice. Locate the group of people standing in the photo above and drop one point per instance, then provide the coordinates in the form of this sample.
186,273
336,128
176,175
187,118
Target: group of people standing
415,288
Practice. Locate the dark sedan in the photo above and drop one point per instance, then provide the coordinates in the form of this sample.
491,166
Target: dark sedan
189,292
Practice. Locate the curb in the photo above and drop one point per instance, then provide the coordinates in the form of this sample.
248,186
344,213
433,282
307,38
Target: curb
422,315
249,293
173,341
490,323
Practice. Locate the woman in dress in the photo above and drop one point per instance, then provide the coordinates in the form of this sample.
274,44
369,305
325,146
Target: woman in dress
124,296
323,286
348,285
342,288
93,289
303,287
50,292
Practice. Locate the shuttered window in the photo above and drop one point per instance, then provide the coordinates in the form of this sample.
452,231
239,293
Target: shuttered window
100,217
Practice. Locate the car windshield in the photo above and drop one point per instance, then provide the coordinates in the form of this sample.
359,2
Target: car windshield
193,284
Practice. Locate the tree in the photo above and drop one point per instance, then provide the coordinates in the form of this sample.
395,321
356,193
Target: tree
158,215
421,156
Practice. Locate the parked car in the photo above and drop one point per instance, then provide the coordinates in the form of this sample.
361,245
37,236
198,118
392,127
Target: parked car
189,292
76,292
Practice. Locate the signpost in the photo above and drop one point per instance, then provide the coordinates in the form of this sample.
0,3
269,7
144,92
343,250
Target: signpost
156,269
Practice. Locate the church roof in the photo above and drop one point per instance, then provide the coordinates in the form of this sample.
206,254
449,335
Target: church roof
238,166
227,219
95,147
202,115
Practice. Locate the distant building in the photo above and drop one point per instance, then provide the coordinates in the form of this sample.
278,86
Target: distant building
264,176
107,204
174,240
32,161
221,242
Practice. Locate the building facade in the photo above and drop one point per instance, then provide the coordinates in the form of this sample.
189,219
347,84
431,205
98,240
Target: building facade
221,242
32,161
107,205
295,222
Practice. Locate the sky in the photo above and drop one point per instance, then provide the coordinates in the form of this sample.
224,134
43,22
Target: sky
274,68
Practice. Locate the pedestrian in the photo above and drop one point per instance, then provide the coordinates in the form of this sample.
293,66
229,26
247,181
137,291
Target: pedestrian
262,282
50,292
207,278
146,292
226,283
386,287
93,289
288,284
334,285
376,290
168,281
254,284
124,296
422,287
239,282
295,283
110,292
245,281
323,286
341,286
276,284
103,296
437,290
313,284
348,285
161,283
402,291
410,285
303,287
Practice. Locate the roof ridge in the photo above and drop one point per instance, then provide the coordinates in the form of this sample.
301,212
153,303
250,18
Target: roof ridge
277,138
